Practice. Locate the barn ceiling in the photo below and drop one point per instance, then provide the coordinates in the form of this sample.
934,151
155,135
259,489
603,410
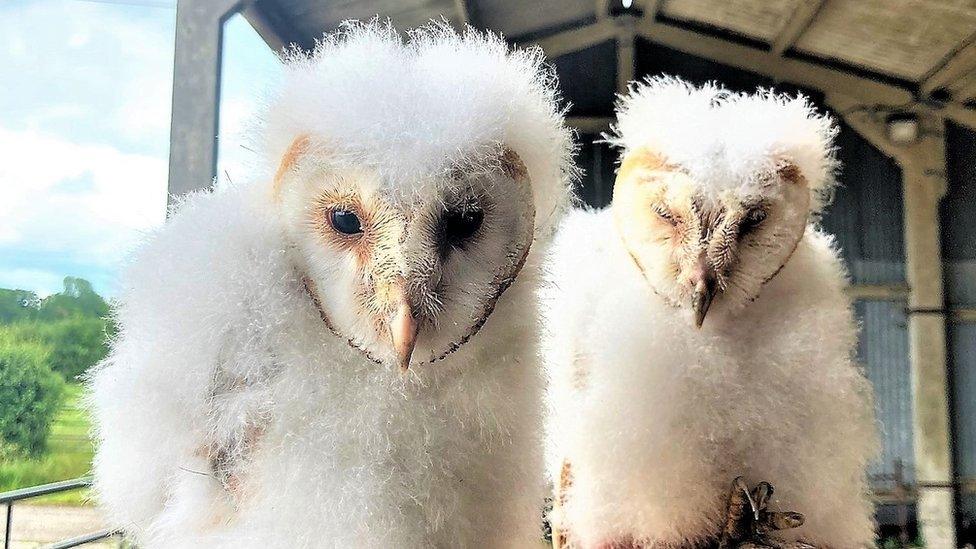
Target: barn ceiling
901,49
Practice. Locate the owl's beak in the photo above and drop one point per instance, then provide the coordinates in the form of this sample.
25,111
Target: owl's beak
706,286
404,328
701,300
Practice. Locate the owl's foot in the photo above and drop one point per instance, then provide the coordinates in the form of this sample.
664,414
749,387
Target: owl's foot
749,522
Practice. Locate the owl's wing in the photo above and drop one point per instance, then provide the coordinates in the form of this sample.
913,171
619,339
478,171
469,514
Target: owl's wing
173,402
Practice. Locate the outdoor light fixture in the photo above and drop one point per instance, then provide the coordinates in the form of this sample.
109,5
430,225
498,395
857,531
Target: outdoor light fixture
617,8
902,127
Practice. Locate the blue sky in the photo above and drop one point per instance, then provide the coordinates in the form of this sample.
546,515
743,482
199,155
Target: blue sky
84,131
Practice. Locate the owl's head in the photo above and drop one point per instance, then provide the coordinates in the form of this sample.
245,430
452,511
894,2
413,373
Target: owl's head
413,178
716,189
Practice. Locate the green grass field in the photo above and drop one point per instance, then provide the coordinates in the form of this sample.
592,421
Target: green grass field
69,455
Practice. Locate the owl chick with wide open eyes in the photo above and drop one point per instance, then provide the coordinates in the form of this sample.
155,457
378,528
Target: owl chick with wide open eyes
342,352
405,277
699,332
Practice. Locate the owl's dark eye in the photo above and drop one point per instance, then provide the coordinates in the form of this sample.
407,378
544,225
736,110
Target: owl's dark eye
460,225
345,222
751,221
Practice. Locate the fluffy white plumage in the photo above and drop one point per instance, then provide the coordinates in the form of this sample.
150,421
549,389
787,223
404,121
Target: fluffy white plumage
725,139
229,415
654,416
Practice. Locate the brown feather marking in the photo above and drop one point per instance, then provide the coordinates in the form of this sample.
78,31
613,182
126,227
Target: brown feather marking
227,459
512,165
560,535
295,151
790,172
501,283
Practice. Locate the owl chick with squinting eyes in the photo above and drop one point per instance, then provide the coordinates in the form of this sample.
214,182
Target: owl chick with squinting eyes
699,331
344,353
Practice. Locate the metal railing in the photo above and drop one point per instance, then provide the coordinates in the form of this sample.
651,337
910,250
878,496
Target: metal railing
13,496
895,489
888,489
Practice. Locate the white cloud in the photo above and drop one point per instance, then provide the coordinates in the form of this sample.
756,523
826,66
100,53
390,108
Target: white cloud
83,137
90,201
109,65
84,134
78,39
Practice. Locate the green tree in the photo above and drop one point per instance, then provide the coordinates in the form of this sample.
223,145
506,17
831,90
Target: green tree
30,395
77,298
76,343
17,305
73,324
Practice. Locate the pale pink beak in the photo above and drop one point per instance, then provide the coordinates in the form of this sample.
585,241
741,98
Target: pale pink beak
403,329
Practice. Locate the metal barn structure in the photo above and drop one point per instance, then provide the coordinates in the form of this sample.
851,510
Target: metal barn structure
899,74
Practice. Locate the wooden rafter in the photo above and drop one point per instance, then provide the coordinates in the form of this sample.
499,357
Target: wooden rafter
651,8
602,9
955,73
958,66
868,126
766,62
965,87
784,69
960,114
589,124
577,39
798,22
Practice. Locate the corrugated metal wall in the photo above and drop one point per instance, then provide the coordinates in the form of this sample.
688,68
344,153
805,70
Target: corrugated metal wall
962,344
959,252
866,217
883,350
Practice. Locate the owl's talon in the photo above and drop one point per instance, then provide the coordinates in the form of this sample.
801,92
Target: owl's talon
760,495
748,521
737,519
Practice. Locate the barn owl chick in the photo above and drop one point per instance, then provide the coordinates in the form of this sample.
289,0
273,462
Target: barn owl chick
699,331
342,352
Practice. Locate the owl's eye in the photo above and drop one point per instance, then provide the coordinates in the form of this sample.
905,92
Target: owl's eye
751,221
345,222
460,225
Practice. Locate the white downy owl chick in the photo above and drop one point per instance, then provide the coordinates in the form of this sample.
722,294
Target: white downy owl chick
699,331
344,353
